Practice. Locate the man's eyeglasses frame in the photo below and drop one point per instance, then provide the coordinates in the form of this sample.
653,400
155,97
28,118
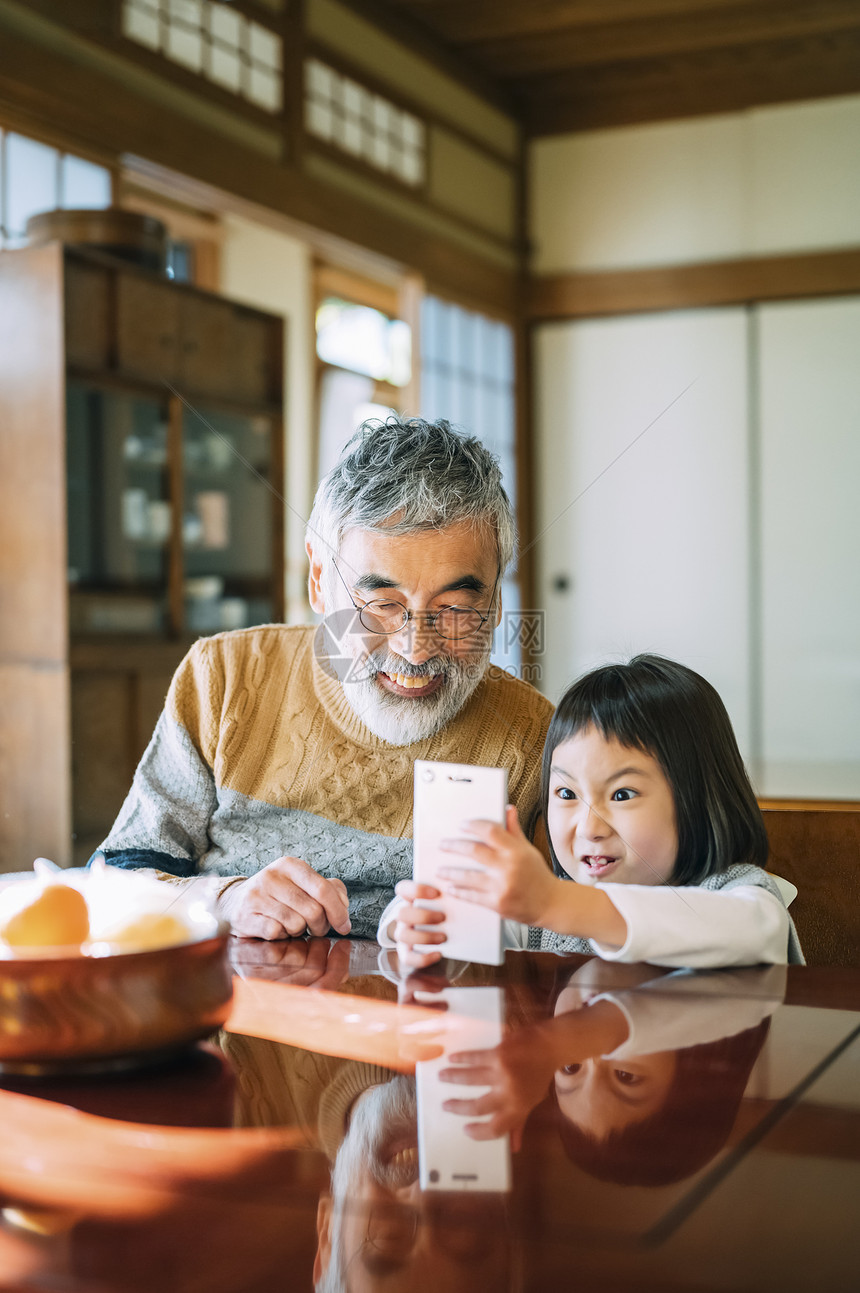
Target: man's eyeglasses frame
432,616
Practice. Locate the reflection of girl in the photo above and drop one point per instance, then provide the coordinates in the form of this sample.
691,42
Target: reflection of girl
641,1117
690,1102
649,809
645,1081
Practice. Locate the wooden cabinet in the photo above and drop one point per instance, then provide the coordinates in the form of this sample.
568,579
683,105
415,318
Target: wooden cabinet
141,486
208,346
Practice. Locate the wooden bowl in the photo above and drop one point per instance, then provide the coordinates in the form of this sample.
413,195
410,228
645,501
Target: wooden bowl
64,1014
130,235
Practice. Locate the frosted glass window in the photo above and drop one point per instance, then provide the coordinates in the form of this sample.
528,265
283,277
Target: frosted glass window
264,89
412,131
410,168
225,26
340,110
39,178
83,184
225,67
140,22
379,153
264,47
364,340
183,35
31,181
353,105
467,376
319,80
208,37
319,118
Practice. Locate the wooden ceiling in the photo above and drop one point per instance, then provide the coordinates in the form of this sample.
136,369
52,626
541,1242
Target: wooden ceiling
580,64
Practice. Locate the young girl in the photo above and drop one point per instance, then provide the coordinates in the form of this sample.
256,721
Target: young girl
648,808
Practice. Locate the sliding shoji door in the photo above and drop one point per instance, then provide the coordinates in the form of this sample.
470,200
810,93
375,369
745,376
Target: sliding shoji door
643,511
808,399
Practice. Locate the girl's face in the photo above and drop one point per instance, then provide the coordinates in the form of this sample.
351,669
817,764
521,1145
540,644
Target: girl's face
605,1096
611,812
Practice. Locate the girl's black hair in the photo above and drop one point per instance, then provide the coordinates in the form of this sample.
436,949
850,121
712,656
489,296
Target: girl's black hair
675,715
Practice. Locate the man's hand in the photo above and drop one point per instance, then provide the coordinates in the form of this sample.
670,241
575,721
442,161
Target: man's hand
286,900
320,962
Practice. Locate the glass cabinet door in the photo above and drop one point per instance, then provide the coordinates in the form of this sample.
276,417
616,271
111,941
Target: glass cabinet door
119,513
227,520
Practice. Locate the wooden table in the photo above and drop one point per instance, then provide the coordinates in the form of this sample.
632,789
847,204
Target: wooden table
717,1148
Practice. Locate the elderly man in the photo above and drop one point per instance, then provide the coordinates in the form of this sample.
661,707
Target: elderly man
378,1229
283,759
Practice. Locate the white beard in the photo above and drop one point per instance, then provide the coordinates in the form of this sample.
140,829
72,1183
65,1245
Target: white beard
400,720
378,1113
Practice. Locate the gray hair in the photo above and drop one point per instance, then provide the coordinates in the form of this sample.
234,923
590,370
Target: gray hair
405,474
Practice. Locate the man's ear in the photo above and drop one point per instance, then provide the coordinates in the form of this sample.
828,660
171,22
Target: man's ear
499,612
315,589
324,1220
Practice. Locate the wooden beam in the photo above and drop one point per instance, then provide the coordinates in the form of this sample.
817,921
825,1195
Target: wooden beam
680,287
422,39
44,87
809,805
463,24
691,84
569,48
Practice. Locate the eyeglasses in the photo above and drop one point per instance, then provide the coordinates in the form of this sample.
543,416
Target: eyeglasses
392,1229
451,622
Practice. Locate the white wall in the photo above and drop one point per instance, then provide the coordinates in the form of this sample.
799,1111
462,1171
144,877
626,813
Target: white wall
714,522
757,505
270,270
766,181
642,485
808,384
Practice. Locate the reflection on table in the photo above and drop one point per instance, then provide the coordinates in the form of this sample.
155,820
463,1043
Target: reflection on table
668,1130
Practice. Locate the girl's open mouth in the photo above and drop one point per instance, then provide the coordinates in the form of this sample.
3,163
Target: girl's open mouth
598,864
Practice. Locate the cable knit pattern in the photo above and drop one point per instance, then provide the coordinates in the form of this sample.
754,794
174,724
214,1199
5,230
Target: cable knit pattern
258,755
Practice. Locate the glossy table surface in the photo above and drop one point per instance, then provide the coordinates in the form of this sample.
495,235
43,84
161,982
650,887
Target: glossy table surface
665,1131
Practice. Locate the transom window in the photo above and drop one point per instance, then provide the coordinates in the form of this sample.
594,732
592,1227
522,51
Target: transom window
357,121
364,340
214,40
468,377
35,177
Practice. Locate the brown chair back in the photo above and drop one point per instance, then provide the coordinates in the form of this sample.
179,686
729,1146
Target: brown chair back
817,848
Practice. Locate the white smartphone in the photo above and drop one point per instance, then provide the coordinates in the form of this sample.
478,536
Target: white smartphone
446,795
448,1159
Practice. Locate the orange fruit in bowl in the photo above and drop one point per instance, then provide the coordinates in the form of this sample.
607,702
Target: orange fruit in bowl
57,918
148,931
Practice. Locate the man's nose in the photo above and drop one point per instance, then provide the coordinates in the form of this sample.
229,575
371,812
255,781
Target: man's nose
416,641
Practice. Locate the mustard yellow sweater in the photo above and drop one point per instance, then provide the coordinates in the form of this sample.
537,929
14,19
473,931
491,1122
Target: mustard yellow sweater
258,755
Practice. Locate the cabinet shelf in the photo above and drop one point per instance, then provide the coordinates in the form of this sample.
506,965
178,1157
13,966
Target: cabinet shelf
133,371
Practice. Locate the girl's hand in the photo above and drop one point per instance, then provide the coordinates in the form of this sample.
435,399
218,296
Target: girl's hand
518,1075
516,883
408,937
